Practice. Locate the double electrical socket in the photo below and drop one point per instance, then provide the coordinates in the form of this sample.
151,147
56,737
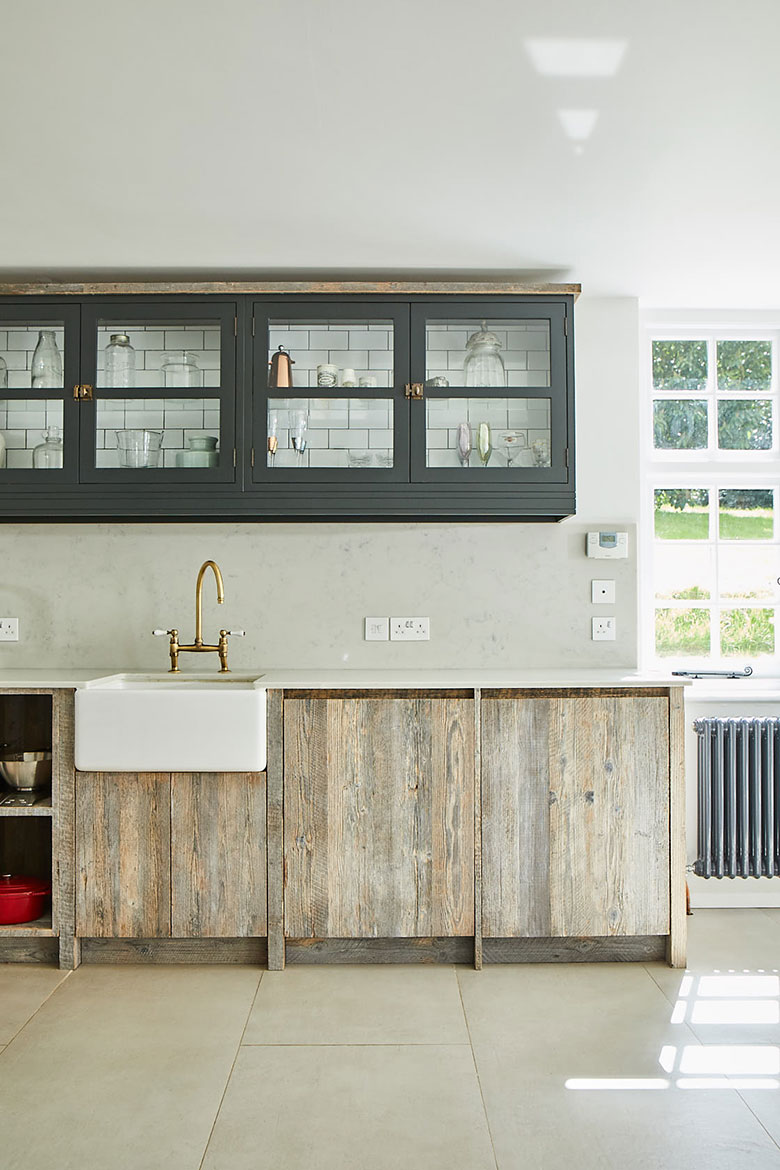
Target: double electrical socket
398,629
9,629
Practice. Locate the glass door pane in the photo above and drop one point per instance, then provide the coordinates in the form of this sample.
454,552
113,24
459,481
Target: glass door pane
495,397
39,358
329,392
487,352
164,392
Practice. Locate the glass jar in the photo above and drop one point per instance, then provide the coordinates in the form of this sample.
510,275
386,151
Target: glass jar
3,374
180,368
483,365
48,454
46,368
138,447
120,361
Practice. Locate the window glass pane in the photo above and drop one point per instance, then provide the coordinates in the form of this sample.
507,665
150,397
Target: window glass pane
681,513
680,632
679,424
158,354
683,573
31,355
745,425
744,365
747,573
679,365
745,514
345,352
477,432
330,432
487,353
157,432
22,426
747,633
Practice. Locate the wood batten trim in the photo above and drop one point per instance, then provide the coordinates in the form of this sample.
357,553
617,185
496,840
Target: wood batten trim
378,693
489,693
631,949
174,950
285,287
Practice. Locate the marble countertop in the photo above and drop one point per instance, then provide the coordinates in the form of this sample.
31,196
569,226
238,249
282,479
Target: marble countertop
340,679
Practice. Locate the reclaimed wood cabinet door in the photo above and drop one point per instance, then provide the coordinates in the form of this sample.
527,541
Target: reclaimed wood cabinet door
379,816
218,854
575,815
123,855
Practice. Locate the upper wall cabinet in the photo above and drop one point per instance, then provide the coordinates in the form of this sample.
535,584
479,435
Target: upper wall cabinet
261,406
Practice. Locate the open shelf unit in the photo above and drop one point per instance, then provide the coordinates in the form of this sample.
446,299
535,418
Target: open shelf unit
32,836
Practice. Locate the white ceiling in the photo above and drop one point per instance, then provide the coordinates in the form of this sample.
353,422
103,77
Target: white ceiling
409,136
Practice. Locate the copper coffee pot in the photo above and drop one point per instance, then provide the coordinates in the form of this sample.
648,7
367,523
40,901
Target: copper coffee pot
280,372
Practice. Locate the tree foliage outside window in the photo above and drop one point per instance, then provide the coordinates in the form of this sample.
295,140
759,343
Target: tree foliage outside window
745,425
680,424
744,365
679,365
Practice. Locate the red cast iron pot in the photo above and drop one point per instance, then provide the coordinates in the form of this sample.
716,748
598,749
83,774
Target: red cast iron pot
22,899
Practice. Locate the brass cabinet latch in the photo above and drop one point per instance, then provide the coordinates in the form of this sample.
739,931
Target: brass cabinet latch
414,389
83,393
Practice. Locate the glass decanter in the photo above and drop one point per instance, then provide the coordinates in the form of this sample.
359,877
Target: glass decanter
48,454
46,368
483,364
120,361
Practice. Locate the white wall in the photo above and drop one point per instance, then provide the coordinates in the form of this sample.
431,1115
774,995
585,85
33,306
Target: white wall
498,594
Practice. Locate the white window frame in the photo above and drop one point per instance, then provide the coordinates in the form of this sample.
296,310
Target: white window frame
712,469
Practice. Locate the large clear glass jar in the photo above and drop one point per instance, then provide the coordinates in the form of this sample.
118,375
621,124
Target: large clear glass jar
120,361
180,368
48,454
46,369
483,365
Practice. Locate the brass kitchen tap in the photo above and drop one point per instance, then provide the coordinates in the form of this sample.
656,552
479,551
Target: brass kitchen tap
198,646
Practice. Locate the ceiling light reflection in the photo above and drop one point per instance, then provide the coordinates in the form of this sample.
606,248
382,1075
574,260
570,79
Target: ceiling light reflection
578,124
575,56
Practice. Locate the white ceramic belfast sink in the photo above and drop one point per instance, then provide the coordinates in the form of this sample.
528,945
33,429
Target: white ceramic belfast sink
171,723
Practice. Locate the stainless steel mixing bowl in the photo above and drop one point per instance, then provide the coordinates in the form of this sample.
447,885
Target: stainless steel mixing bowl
26,770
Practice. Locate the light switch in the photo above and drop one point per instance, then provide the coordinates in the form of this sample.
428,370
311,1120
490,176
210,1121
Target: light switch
602,592
377,629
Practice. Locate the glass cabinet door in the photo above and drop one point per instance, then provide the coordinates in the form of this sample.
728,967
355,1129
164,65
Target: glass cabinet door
328,393
493,404
162,380
39,366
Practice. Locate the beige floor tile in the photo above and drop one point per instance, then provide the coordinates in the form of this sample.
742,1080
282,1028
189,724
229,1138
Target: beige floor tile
573,1020
130,1064
544,1125
352,1108
358,1005
23,988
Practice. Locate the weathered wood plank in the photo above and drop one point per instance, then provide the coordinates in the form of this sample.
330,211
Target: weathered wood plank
29,950
379,950
575,693
477,829
515,816
678,928
275,829
379,816
123,849
153,951
642,949
64,826
262,287
218,854
609,817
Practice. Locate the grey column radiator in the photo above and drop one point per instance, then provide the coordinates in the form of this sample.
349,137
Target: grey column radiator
739,797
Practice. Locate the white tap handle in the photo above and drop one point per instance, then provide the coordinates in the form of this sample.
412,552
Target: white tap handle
161,633
236,633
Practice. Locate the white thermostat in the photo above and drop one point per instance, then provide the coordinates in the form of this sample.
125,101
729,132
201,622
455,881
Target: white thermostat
607,545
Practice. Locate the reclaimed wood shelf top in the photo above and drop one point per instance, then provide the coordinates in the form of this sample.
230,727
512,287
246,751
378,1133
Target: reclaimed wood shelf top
265,287
42,809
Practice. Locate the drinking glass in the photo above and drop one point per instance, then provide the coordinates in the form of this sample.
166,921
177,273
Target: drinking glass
484,443
513,443
298,425
465,445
